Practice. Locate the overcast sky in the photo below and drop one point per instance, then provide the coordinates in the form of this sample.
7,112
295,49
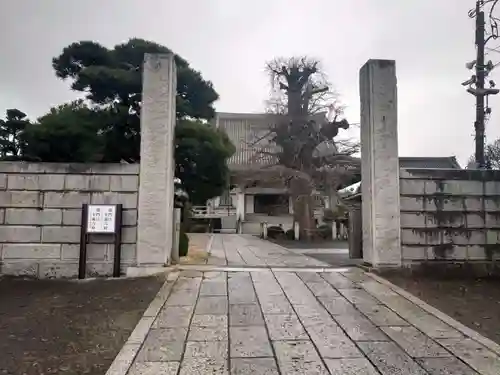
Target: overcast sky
229,41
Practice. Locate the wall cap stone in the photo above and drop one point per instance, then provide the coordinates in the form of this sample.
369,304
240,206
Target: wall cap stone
69,168
450,174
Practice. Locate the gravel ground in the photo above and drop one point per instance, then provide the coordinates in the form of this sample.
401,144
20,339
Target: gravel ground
68,327
475,303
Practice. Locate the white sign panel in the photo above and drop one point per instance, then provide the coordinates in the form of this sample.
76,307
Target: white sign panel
101,218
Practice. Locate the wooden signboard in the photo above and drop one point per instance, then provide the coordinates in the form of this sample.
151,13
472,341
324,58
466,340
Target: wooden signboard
100,220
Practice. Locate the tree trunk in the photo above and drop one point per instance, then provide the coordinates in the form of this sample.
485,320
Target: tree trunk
303,208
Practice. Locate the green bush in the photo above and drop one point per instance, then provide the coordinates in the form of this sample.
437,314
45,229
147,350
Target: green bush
329,216
216,225
338,213
325,231
183,244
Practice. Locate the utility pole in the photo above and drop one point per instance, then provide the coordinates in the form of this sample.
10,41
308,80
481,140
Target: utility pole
480,76
482,70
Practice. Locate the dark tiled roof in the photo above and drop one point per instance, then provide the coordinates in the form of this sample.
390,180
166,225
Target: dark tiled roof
250,134
429,162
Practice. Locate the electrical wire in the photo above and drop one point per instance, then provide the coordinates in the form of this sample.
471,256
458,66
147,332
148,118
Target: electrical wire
493,21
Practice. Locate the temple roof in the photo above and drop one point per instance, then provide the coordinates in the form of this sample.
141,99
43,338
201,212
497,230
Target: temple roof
250,134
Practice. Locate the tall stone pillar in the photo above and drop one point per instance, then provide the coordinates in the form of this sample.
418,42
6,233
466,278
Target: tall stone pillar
380,164
156,189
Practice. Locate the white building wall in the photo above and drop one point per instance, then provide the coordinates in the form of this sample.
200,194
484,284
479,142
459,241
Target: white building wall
249,203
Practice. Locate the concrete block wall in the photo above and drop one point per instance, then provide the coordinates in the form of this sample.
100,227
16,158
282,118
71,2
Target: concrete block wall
450,216
40,216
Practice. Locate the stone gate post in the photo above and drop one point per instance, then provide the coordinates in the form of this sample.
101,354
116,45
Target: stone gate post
156,186
380,164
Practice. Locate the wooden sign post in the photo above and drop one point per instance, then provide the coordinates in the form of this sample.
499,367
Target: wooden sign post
100,220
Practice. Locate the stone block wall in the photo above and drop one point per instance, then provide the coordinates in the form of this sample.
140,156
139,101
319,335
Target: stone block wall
450,216
40,216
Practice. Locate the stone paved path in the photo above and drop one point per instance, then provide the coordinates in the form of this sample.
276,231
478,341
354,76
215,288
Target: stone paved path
247,250
274,321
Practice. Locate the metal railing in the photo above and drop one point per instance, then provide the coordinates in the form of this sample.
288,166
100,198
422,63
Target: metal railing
212,212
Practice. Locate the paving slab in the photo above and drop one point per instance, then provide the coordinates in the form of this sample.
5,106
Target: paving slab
206,349
418,317
338,305
299,357
300,296
314,314
213,305
390,359
213,288
163,345
241,289
378,290
275,304
338,280
174,317
242,296
254,366
358,296
474,354
359,328
238,280
332,342
356,275
250,342
311,277
268,286
208,334
322,289
433,327
154,368
415,343
351,366
215,321
183,298
445,366
285,327
381,315
187,283
198,365
245,315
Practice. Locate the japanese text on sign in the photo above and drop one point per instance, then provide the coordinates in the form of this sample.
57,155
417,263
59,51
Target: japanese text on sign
101,219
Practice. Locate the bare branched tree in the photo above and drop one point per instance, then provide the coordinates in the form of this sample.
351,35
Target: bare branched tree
492,155
298,147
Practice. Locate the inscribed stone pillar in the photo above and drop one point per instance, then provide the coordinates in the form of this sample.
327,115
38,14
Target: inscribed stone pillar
176,236
156,189
380,164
